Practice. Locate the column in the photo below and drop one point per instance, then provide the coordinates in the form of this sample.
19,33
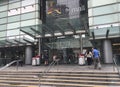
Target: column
28,55
81,44
64,56
107,46
39,46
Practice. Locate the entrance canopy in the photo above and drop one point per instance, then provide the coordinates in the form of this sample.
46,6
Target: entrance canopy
16,42
58,27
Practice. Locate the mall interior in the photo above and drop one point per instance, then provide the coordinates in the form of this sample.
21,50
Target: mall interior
58,27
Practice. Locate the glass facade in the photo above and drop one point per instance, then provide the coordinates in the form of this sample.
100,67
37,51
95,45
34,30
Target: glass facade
56,22
17,14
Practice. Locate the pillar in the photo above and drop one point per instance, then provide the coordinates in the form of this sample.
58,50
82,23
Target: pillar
39,46
28,55
81,44
107,46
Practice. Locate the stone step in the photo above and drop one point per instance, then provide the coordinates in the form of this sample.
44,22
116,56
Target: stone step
80,84
59,79
34,78
60,74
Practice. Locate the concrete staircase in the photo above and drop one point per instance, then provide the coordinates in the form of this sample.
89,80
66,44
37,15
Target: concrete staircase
58,79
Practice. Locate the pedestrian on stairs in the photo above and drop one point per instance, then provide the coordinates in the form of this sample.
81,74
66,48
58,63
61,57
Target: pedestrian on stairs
96,58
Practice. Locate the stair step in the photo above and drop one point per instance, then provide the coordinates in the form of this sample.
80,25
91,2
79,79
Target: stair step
58,79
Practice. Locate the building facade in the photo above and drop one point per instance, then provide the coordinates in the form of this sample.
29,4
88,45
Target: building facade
32,27
104,26
14,16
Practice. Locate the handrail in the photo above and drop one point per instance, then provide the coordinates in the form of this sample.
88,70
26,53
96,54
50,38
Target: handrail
50,66
9,64
47,69
114,61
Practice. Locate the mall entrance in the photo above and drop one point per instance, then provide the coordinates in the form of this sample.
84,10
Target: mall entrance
66,55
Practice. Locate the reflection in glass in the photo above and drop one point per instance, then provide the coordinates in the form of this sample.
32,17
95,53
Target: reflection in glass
13,32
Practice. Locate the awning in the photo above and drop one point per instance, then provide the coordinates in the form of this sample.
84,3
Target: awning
55,27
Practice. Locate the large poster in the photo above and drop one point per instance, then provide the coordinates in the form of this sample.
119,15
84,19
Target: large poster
66,14
57,10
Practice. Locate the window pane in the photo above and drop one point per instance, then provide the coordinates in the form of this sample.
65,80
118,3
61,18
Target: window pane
106,19
14,5
14,12
28,16
11,1
28,2
28,9
102,2
3,34
14,18
2,2
3,27
3,14
37,7
13,25
90,12
118,7
27,23
13,32
105,10
3,20
37,14
90,21
3,8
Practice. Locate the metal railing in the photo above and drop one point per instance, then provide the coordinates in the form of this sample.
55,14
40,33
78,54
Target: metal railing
47,70
116,65
9,64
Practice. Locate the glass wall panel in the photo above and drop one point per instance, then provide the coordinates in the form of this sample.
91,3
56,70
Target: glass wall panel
38,22
118,7
14,12
105,9
2,38
90,21
28,23
37,7
119,17
13,25
11,1
102,2
28,2
3,14
2,33
38,1
90,13
28,9
28,16
3,27
106,19
14,5
13,32
89,3
3,2
37,14
14,18
3,20
3,8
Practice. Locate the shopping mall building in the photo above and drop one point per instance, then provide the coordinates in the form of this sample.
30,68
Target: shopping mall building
63,27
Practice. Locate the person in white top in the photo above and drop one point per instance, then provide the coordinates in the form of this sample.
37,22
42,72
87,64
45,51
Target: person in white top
89,57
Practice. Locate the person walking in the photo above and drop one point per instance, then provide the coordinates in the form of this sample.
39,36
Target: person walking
96,58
